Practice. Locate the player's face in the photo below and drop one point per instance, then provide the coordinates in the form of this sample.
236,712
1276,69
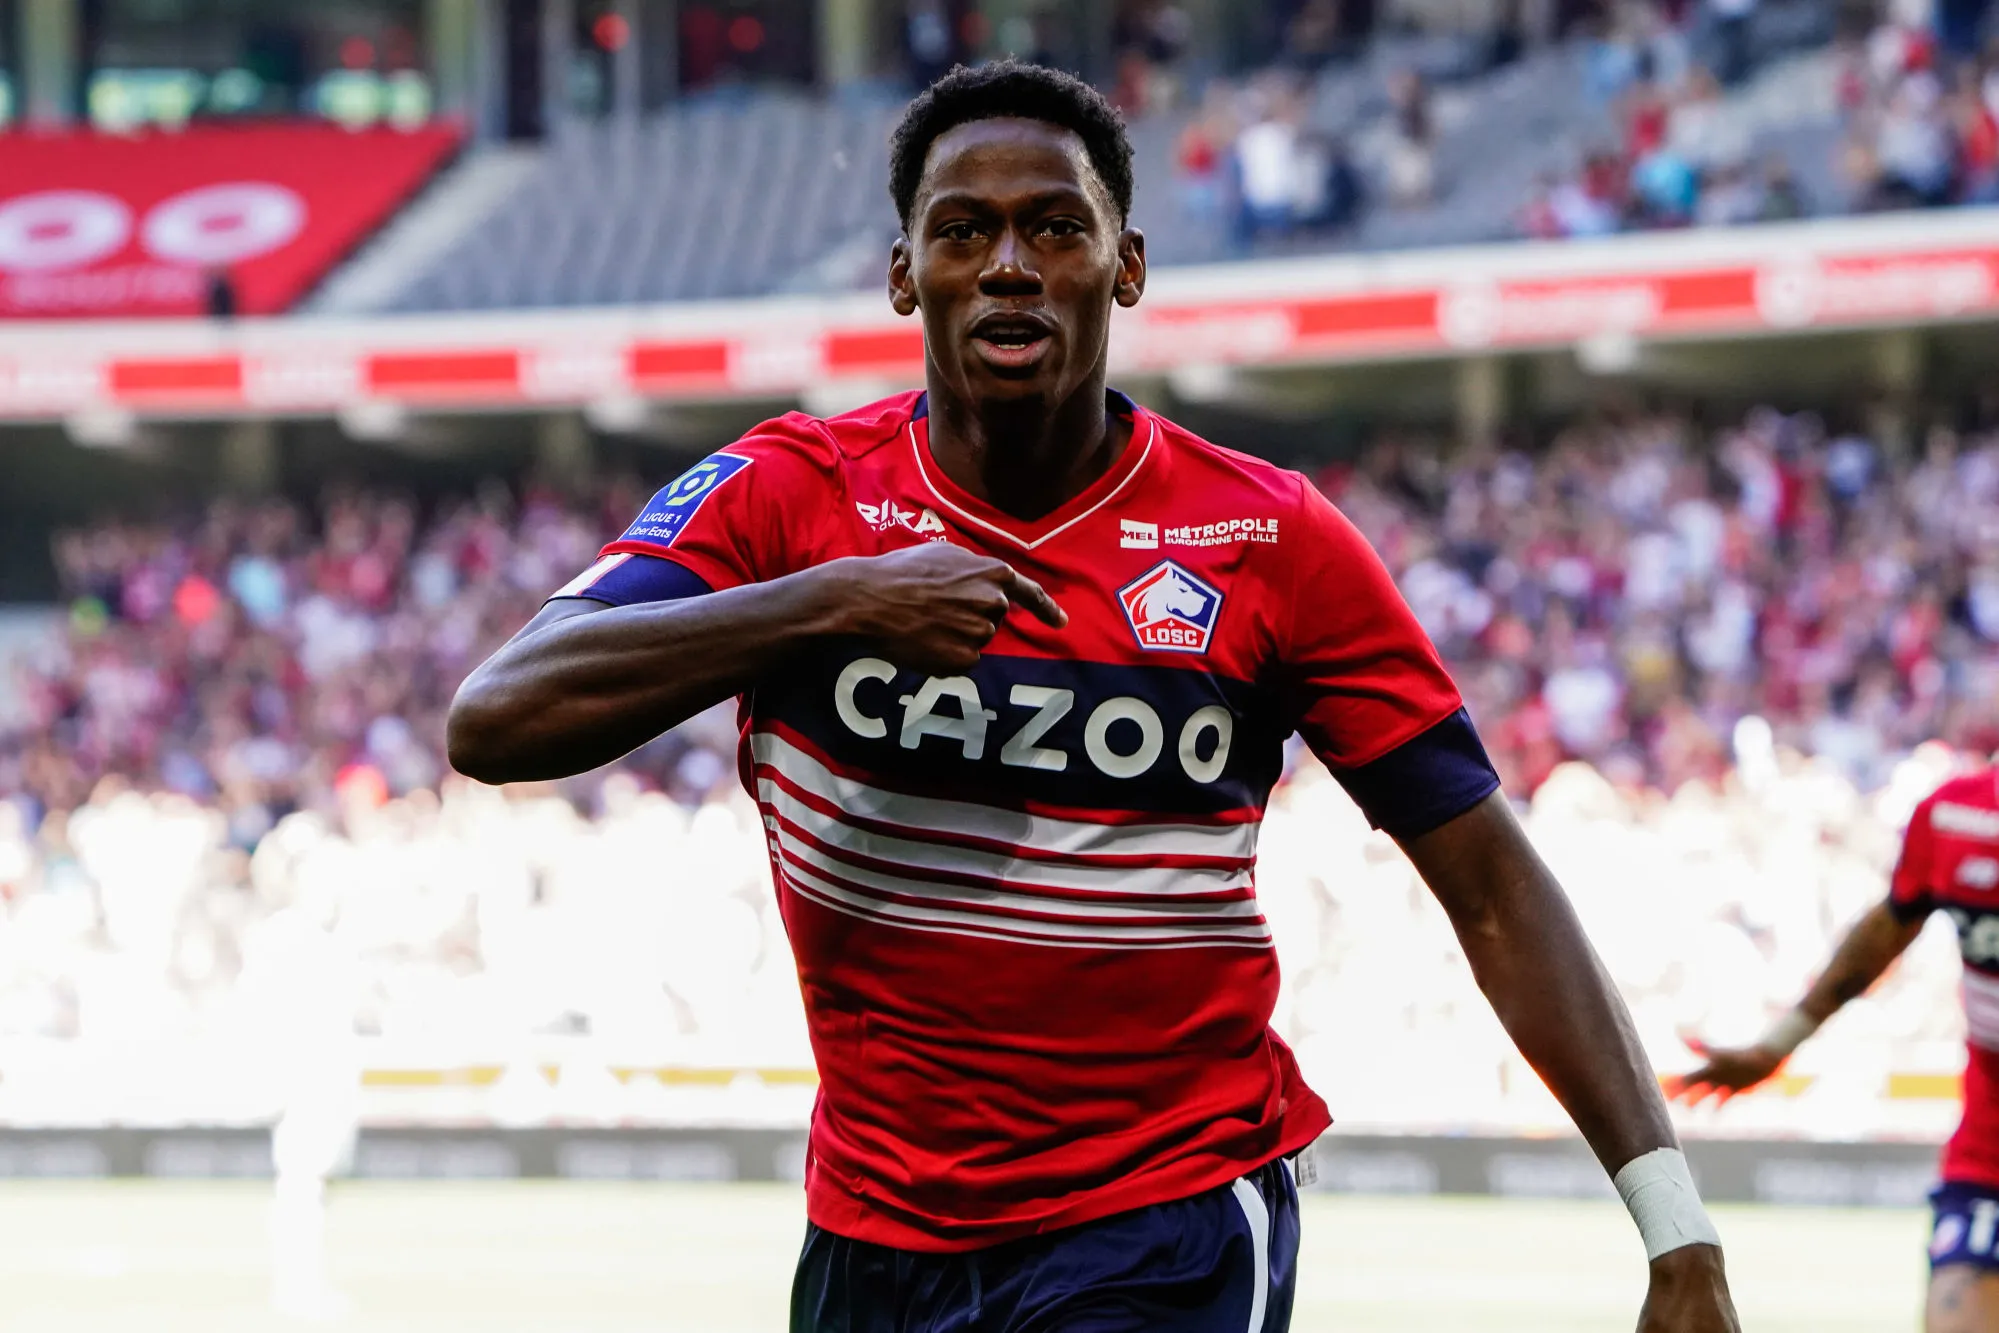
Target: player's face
1015,256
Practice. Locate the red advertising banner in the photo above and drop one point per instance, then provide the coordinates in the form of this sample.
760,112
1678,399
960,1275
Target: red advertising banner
1855,273
94,224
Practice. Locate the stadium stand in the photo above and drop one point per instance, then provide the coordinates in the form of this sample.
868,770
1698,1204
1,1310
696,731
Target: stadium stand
1713,657
1415,140
1747,632
1683,579
677,208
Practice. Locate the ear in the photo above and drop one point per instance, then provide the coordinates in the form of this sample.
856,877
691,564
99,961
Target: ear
901,290
1130,267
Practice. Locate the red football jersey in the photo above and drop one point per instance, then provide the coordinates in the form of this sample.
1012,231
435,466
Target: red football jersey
1021,900
1950,863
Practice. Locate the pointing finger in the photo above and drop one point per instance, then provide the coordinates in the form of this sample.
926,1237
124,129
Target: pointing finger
1025,592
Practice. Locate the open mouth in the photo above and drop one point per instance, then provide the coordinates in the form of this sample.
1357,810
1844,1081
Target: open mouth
1010,341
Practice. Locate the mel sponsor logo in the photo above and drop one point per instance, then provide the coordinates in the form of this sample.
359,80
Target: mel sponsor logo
1228,532
1139,536
1170,610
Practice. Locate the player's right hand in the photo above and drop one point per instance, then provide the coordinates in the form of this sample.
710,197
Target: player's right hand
1688,1293
1728,1070
935,607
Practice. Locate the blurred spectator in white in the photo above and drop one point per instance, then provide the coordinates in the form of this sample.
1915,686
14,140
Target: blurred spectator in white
1409,162
1267,164
1913,149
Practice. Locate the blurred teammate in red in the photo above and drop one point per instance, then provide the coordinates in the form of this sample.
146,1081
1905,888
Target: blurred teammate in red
1016,661
1949,864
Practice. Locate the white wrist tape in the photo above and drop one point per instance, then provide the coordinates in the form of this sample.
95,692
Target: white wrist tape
1789,1032
1659,1190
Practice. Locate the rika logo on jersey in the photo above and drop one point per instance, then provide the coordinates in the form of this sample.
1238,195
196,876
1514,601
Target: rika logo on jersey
1171,611
888,514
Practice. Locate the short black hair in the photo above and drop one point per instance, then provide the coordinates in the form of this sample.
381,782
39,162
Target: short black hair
1007,88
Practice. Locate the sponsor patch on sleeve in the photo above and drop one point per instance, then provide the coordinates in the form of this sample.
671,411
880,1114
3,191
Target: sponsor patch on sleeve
668,513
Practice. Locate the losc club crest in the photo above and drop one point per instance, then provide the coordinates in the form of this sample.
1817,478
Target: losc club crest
1170,610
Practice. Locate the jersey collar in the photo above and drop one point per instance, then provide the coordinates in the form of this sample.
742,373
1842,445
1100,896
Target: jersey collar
976,513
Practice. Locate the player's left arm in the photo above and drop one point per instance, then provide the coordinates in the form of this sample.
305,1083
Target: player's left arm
1530,956
1374,702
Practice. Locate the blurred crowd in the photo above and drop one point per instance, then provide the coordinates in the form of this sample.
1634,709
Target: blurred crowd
1628,595
1670,129
1642,589
1919,96
152,973
1684,159
1706,659
1668,78
1252,157
265,658
1915,90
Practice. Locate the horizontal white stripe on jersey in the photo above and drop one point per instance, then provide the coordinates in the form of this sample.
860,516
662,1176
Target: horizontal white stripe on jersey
1981,1009
804,856
917,815
1015,871
1018,930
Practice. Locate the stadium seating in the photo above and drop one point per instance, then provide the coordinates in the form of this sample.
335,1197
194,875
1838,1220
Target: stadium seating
757,193
719,200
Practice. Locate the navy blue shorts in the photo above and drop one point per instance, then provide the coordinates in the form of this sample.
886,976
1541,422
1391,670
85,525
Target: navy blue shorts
1965,1229
1221,1262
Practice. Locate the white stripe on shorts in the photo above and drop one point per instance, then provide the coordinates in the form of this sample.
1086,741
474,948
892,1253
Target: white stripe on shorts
1257,1214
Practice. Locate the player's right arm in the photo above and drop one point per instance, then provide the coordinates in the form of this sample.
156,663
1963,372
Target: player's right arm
588,680
1870,945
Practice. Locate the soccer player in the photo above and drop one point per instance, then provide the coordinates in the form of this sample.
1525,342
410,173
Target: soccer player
1949,863
1016,660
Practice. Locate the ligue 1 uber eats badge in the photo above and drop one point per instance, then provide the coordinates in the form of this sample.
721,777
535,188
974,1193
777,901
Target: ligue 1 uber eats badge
1170,610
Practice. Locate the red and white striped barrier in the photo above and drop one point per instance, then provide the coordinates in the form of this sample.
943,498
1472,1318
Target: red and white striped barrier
1850,273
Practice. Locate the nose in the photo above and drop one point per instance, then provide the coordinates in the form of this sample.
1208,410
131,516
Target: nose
1010,269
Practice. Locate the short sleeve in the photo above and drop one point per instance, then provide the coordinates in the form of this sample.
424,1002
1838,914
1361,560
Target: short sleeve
1912,889
1366,687
738,516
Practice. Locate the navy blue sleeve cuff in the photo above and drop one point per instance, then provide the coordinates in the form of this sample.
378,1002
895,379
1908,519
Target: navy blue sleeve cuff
1425,782
645,578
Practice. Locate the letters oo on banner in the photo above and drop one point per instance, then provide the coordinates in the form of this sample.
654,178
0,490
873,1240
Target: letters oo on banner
103,225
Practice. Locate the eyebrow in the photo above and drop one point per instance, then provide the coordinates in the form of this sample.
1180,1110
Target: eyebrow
1057,194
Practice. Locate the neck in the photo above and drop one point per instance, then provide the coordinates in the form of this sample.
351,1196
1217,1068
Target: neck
1030,456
